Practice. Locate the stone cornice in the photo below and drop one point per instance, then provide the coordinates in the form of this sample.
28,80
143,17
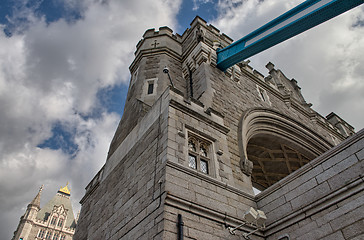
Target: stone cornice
210,180
192,113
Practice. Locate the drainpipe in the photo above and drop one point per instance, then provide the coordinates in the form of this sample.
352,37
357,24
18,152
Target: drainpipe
180,227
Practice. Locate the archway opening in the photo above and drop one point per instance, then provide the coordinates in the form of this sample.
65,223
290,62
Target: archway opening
274,157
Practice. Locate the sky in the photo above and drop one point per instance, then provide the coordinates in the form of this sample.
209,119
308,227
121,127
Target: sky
64,78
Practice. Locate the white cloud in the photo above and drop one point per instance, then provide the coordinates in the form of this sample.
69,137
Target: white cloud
198,3
51,73
326,60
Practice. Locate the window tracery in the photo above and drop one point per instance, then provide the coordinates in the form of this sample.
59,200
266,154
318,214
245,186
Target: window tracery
198,154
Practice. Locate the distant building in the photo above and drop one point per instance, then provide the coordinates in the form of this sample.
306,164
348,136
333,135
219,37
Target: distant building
55,221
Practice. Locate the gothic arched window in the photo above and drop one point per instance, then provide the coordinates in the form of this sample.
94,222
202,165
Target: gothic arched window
198,154
54,220
56,236
48,236
41,233
60,222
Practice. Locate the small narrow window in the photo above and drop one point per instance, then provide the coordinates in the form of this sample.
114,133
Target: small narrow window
150,87
55,236
63,237
261,91
48,236
54,220
60,222
41,233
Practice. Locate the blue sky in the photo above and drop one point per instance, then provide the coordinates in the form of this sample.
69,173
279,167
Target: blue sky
64,77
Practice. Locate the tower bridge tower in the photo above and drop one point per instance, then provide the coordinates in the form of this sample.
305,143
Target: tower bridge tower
185,158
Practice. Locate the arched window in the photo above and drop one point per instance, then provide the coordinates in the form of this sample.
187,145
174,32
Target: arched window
60,222
48,236
198,154
54,220
56,236
41,233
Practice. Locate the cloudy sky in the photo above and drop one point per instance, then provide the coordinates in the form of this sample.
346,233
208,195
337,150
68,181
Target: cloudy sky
64,75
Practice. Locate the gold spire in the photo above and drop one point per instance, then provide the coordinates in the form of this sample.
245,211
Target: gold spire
65,190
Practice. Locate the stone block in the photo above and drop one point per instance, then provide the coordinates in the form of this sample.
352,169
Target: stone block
312,232
346,176
201,235
180,191
347,218
355,229
336,236
278,212
301,189
337,168
302,179
350,150
274,204
360,155
213,204
310,196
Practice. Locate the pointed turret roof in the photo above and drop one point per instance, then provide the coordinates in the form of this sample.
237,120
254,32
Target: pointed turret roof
60,202
36,200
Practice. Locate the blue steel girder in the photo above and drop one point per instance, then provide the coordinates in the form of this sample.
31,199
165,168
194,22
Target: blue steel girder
297,20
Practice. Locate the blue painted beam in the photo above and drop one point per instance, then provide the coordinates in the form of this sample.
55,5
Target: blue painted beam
299,19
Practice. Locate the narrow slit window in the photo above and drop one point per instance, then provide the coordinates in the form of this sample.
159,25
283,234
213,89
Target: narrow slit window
54,220
261,91
150,87
60,222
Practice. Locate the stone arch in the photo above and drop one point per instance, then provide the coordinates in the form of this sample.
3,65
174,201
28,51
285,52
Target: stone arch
273,145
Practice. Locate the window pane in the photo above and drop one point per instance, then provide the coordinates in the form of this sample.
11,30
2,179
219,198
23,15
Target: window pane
204,166
191,146
203,151
60,222
41,233
192,161
150,88
48,236
54,220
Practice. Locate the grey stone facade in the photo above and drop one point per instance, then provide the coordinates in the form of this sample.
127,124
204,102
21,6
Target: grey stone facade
196,150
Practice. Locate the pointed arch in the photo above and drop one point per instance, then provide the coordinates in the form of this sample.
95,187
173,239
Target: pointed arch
276,144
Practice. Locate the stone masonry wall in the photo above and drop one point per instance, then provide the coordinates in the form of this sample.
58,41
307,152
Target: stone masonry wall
322,200
126,203
146,181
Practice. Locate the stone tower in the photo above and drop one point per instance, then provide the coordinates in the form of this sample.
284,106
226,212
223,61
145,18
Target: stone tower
54,221
194,141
